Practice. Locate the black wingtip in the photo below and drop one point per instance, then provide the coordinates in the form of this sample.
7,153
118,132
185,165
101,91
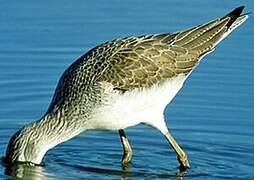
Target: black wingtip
234,15
236,12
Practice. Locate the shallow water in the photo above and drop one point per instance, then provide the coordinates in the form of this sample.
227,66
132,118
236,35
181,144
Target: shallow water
212,116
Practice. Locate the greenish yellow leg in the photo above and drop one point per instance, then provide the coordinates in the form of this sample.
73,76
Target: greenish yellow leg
127,151
181,155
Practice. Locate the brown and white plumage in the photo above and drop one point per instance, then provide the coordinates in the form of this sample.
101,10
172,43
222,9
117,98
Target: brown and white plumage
119,84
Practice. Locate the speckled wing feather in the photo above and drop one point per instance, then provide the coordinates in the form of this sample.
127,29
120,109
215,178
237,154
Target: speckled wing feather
147,60
140,62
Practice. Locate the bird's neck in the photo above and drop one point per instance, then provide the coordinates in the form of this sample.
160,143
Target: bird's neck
31,142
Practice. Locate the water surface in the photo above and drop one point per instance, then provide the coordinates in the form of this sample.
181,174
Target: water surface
212,116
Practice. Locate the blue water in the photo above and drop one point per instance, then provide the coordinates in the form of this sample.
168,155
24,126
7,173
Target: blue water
211,117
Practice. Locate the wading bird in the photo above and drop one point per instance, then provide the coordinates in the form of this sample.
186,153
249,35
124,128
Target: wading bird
120,84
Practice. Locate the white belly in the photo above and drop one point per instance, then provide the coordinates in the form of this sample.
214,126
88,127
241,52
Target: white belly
137,106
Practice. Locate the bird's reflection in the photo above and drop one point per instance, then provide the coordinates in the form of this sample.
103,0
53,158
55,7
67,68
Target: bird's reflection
24,171
38,172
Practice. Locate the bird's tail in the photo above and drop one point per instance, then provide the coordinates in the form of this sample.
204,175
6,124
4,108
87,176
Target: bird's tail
205,37
236,18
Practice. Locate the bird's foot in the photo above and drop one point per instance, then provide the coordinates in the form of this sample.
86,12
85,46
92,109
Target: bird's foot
126,160
184,162
127,157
